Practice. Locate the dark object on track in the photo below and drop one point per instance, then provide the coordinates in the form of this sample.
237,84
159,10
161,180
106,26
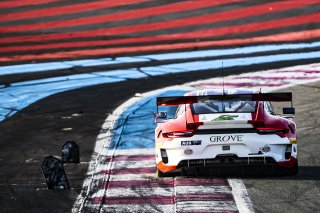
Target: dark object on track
54,173
70,152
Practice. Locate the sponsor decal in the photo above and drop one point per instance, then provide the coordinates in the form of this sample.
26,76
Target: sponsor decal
265,148
226,138
188,151
190,143
226,117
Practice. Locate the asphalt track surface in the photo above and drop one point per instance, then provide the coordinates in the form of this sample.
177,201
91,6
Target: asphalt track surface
295,193
41,129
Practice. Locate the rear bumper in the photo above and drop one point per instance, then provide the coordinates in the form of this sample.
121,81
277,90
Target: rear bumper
201,147
235,166
228,161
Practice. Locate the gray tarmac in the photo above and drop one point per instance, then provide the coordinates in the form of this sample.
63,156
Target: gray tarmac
299,193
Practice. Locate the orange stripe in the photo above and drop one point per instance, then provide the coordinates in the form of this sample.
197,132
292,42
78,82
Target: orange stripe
165,168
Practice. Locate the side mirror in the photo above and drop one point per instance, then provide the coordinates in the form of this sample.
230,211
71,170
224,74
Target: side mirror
162,115
159,115
289,110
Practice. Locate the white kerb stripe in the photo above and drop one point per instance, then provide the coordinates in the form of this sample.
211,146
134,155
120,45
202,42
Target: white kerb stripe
241,196
185,206
145,208
180,190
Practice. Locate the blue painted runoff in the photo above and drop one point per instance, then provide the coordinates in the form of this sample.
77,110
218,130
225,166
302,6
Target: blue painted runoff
138,123
20,95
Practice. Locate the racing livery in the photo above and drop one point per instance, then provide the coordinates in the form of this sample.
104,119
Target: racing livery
230,132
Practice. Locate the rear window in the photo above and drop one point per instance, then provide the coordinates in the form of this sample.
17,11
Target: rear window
209,107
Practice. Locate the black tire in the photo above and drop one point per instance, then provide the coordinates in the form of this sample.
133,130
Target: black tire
288,171
294,170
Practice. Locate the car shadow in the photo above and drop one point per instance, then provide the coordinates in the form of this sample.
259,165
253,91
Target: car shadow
305,173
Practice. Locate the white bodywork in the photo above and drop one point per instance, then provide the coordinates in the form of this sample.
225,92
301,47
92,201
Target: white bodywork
242,145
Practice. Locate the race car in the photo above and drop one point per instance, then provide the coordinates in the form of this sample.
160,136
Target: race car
229,132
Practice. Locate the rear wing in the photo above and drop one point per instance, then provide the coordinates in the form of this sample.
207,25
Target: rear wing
178,100
183,100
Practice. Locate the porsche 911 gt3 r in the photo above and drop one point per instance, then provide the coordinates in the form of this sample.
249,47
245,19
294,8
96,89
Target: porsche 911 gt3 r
234,131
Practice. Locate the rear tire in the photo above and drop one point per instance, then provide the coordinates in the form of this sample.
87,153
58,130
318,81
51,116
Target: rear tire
289,171
294,170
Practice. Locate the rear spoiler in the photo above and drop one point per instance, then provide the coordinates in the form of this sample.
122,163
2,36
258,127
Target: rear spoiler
177,100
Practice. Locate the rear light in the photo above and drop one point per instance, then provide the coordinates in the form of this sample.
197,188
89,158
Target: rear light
164,156
178,134
191,128
194,126
257,123
269,131
287,153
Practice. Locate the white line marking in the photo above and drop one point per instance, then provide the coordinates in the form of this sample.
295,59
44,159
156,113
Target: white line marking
137,192
185,206
138,208
127,177
202,189
126,164
241,196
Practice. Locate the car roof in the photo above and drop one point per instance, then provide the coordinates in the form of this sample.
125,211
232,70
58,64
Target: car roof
221,92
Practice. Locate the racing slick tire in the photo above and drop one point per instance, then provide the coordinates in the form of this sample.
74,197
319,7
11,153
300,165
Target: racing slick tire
292,171
287,171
